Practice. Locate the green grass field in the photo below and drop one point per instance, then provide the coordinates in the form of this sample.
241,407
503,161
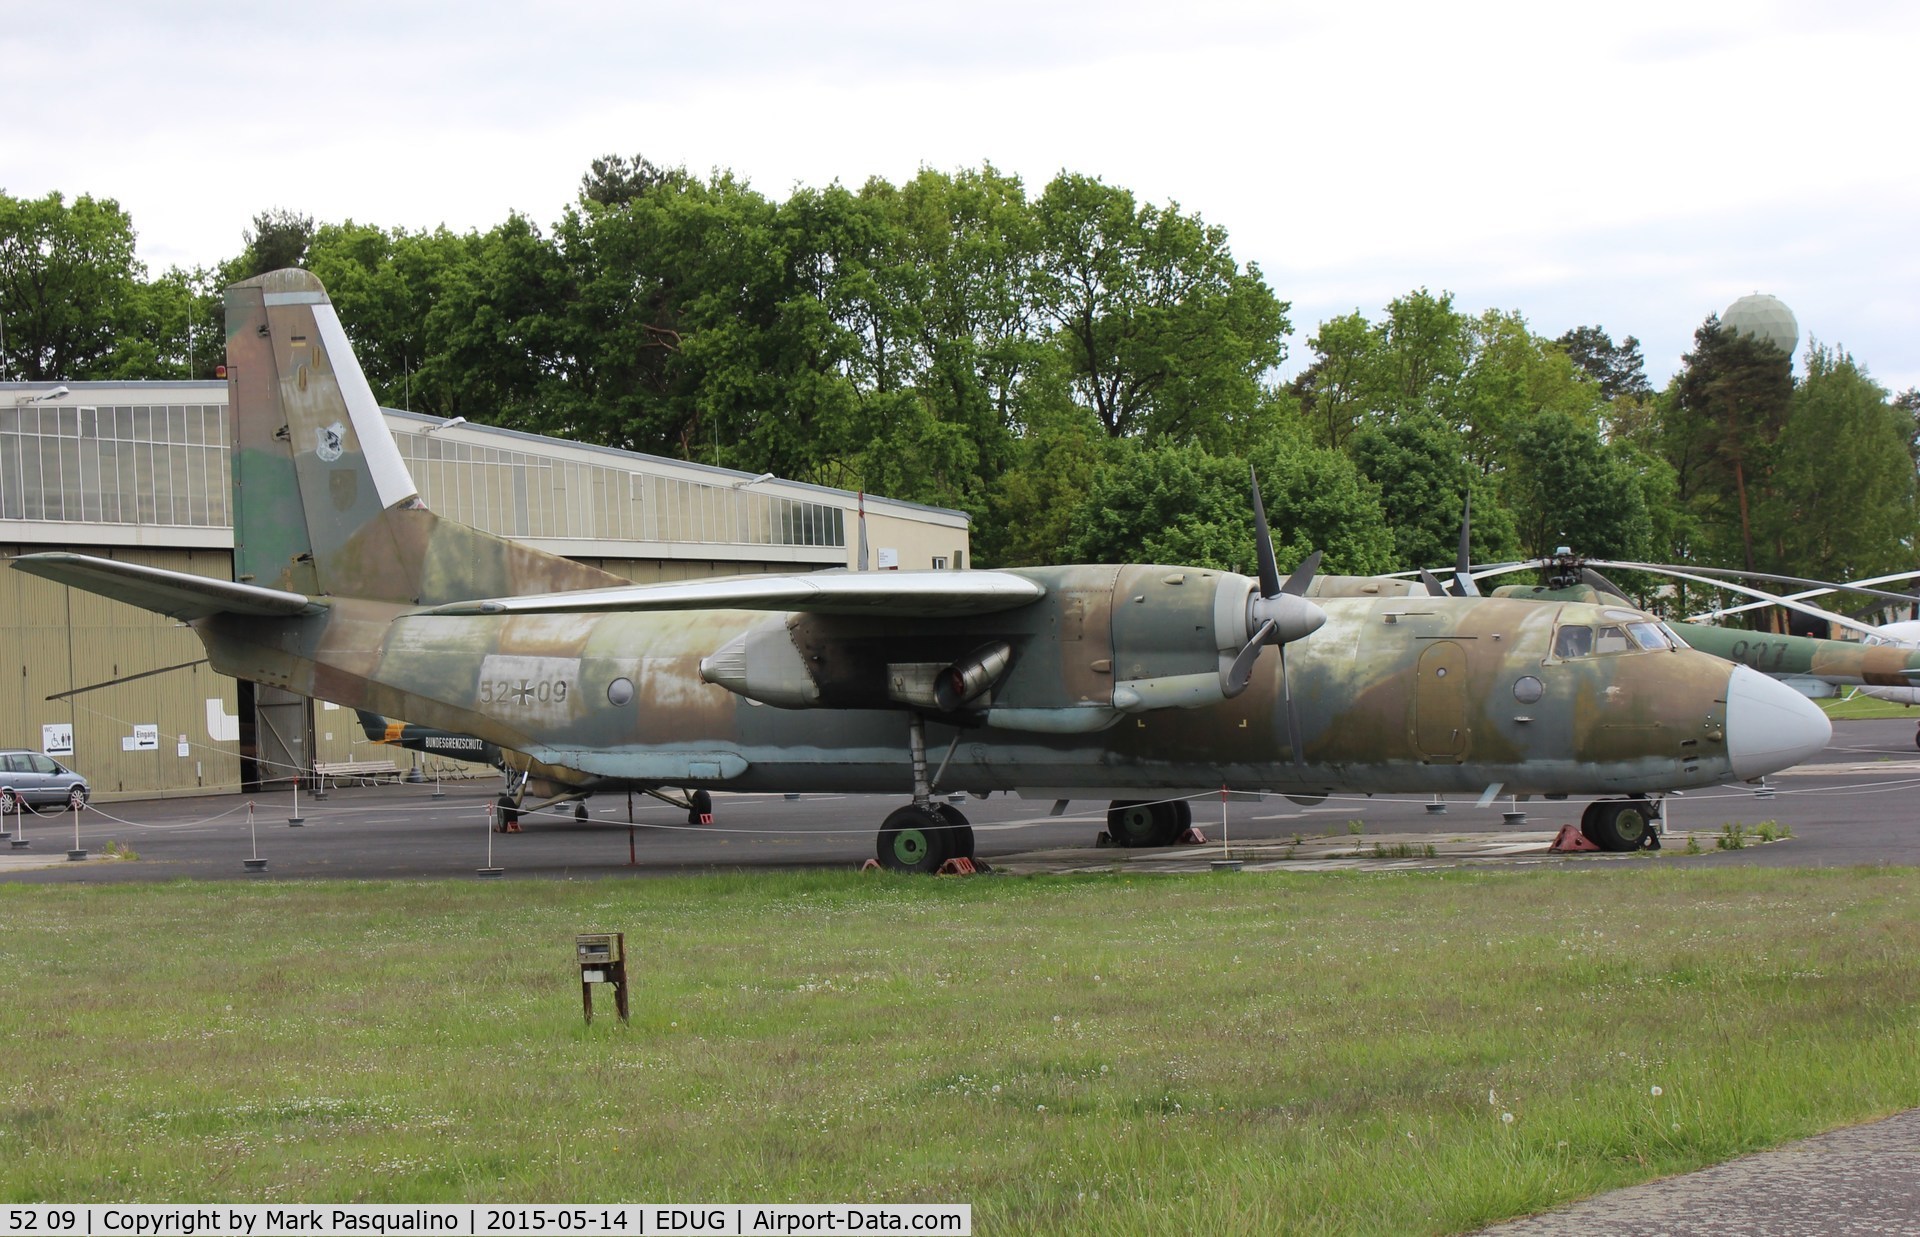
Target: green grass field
1865,706
1412,1052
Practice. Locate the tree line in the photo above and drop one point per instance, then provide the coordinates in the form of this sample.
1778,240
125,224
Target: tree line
1086,374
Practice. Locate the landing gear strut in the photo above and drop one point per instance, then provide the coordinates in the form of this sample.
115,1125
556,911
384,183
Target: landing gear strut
1622,824
923,835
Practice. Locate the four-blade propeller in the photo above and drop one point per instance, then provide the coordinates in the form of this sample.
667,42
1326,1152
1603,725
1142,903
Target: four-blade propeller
1280,612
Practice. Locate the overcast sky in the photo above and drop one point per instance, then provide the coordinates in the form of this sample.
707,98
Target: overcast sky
1633,165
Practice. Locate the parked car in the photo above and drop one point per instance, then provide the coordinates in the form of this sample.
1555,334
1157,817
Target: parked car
38,781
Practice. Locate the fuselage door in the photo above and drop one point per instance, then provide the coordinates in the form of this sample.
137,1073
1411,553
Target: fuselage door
1440,729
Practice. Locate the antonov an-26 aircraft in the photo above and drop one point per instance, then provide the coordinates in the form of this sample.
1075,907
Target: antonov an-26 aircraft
1129,682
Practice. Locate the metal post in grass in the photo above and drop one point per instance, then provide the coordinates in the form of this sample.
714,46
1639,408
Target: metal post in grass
78,852
490,871
1226,862
256,863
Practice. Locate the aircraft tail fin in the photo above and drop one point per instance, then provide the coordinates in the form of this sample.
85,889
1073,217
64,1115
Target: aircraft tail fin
324,503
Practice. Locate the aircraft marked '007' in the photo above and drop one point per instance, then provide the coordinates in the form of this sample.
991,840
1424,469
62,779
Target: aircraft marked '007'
1137,683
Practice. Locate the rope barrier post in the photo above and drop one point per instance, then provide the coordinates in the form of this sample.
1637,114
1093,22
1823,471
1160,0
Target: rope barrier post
256,863
296,820
77,853
438,793
490,872
1226,862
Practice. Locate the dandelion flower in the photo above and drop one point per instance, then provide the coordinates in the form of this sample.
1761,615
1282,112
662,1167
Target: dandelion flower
1657,1092
1506,1118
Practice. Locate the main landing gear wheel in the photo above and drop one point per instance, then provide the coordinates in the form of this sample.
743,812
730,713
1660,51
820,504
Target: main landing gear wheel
913,839
1619,824
506,814
699,808
959,839
1148,824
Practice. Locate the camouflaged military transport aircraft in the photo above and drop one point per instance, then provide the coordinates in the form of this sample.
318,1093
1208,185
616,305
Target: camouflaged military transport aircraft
1134,683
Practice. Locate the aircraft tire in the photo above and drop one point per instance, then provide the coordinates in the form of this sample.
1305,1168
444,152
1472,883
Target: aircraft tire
699,803
1618,824
959,839
506,813
580,811
1135,824
912,839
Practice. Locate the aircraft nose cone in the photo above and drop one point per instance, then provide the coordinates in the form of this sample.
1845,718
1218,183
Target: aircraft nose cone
1770,726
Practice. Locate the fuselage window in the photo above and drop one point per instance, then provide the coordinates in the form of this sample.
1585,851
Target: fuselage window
1610,639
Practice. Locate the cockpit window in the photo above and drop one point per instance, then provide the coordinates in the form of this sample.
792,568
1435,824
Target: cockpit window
1573,642
1649,636
1578,641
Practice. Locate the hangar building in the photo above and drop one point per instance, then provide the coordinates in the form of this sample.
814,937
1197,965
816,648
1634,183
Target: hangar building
139,471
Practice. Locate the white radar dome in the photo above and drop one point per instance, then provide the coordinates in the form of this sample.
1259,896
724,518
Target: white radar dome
1763,317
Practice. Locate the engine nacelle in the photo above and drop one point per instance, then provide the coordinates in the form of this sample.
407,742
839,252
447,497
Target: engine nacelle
1100,643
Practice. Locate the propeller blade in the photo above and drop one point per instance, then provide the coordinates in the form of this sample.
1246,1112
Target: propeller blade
1434,587
1241,673
1263,541
1463,585
1293,713
1302,577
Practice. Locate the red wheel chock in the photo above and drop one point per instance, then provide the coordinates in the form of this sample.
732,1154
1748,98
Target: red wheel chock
957,866
706,818
871,865
1571,841
1192,837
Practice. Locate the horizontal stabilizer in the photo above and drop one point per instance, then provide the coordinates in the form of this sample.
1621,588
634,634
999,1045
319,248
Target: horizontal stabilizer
178,593
915,594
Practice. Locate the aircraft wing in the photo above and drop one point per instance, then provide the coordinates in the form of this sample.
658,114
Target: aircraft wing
915,594
177,593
